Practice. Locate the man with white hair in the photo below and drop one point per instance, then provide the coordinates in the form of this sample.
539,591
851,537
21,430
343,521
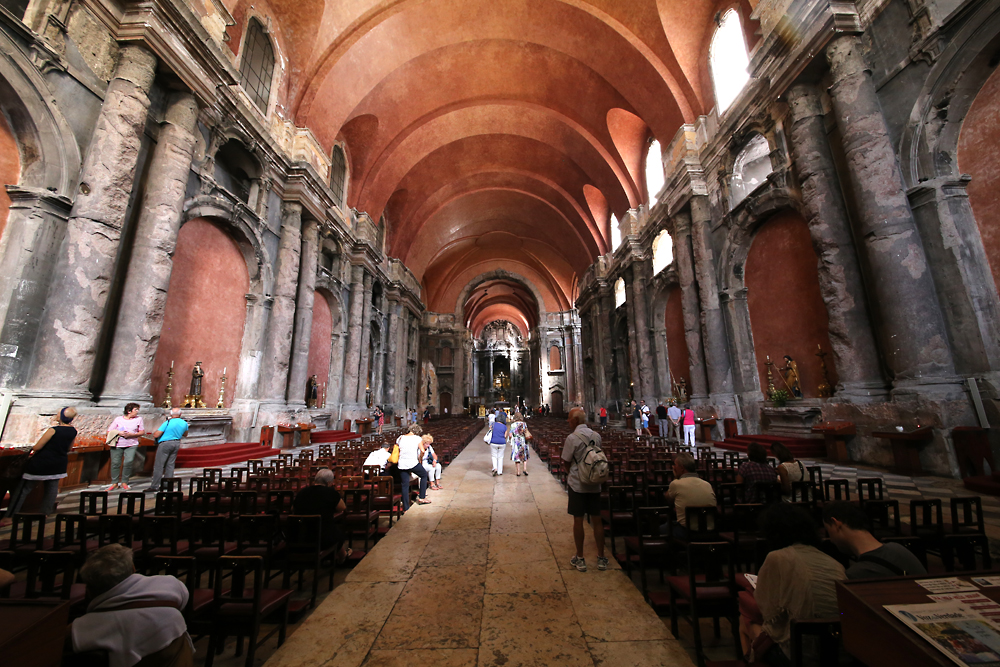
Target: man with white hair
131,616
168,439
321,498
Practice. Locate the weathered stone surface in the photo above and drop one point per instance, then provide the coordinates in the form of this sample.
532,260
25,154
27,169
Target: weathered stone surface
698,382
718,368
78,296
640,335
352,358
298,377
851,336
911,332
278,340
144,298
366,336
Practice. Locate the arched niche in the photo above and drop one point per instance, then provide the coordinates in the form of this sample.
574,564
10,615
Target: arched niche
677,351
10,168
750,169
237,171
555,358
205,313
787,313
320,338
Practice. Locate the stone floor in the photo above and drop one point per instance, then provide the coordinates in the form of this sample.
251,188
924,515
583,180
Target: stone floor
481,576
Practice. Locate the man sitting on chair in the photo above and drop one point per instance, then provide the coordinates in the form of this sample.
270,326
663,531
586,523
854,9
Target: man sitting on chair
321,498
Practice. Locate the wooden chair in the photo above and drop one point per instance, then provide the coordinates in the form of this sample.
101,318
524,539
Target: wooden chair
965,535
648,546
385,500
27,535
258,535
619,517
93,505
304,550
161,537
71,536
883,518
869,488
708,589
827,632
241,608
51,575
360,518
279,502
836,489
117,529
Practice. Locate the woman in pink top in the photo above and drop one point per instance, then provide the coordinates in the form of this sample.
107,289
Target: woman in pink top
687,419
128,428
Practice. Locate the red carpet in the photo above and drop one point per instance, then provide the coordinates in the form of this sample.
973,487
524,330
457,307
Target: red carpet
217,455
331,436
805,448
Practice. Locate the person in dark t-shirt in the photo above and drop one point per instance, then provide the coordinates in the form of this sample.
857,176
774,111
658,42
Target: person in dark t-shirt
321,498
846,524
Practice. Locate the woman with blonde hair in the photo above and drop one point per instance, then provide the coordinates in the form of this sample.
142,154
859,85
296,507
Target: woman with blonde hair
517,436
431,464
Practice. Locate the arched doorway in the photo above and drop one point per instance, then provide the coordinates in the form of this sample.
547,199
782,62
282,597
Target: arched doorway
446,403
557,403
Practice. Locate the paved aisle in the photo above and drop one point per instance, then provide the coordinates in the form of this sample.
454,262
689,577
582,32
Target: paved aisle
482,577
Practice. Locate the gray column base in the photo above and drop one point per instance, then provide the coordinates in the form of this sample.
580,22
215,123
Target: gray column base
939,388
860,392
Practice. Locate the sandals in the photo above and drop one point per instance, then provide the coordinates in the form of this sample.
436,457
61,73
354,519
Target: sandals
423,501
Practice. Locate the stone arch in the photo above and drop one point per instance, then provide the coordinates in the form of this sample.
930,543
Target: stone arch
245,235
498,274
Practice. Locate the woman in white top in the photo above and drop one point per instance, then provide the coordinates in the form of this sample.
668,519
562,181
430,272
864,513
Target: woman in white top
431,463
411,451
789,470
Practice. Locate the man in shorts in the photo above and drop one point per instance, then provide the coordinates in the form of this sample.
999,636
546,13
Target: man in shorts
583,498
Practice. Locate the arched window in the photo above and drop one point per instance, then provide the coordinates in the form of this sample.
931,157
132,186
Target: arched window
728,60
616,233
555,359
257,66
15,7
338,173
619,292
654,172
663,251
750,169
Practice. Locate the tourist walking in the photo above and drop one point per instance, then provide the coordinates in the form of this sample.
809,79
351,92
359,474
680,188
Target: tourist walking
517,435
411,450
168,439
498,441
47,462
123,439
584,497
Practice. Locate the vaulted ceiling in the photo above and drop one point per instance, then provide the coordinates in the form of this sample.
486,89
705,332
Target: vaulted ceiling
493,134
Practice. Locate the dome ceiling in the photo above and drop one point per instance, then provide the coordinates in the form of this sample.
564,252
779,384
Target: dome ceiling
493,134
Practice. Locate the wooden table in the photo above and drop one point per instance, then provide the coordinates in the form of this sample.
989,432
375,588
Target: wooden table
364,426
836,434
32,632
906,448
295,436
705,426
876,637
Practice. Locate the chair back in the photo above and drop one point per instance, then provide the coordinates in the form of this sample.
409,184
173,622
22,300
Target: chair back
27,530
280,502
967,515
93,503
816,477
171,484
259,483
883,517
353,482
837,489
243,502
768,493
207,533
383,486
115,529
183,568
44,569
206,503
656,495
869,488
132,503
169,503
710,566
256,531
702,523
648,521
621,498
255,465
926,517
827,631
303,536
71,534
806,492
196,484
239,474
246,582
213,475
160,532
358,500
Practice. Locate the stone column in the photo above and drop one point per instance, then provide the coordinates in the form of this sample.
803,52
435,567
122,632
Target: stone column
144,297
690,307
645,364
78,295
278,340
352,358
911,332
718,369
606,299
299,374
336,377
854,350
366,337
568,364
391,360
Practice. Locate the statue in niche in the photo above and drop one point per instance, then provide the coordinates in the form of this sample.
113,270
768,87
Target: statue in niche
680,388
312,392
790,373
194,399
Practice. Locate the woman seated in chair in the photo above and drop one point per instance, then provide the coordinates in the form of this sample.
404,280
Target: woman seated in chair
755,471
789,470
431,463
796,582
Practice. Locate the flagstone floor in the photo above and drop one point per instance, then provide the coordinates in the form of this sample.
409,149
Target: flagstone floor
481,576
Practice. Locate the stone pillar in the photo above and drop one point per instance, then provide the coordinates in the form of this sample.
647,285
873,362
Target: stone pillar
298,377
335,380
854,350
690,307
391,361
568,365
718,369
911,328
352,358
645,364
366,337
489,375
144,297
78,295
278,341
607,302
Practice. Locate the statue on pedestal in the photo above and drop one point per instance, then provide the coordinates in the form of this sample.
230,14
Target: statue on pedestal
680,388
791,374
312,392
194,398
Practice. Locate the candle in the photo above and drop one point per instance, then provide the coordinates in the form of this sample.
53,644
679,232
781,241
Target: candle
171,365
224,370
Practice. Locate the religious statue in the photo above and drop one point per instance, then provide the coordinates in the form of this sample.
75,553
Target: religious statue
680,388
825,389
194,398
312,392
790,373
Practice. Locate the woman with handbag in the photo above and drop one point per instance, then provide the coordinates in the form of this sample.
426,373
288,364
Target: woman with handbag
123,439
47,462
408,455
517,435
497,434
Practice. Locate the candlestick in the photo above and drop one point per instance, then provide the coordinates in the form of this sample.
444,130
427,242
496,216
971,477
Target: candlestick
167,403
222,391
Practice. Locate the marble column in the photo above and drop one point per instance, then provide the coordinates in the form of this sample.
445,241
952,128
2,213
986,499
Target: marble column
366,337
911,327
690,307
352,358
718,368
646,364
71,324
278,340
336,377
606,299
855,354
144,296
298,376
391,361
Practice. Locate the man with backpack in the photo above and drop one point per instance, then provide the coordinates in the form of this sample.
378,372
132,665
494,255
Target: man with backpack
588,469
